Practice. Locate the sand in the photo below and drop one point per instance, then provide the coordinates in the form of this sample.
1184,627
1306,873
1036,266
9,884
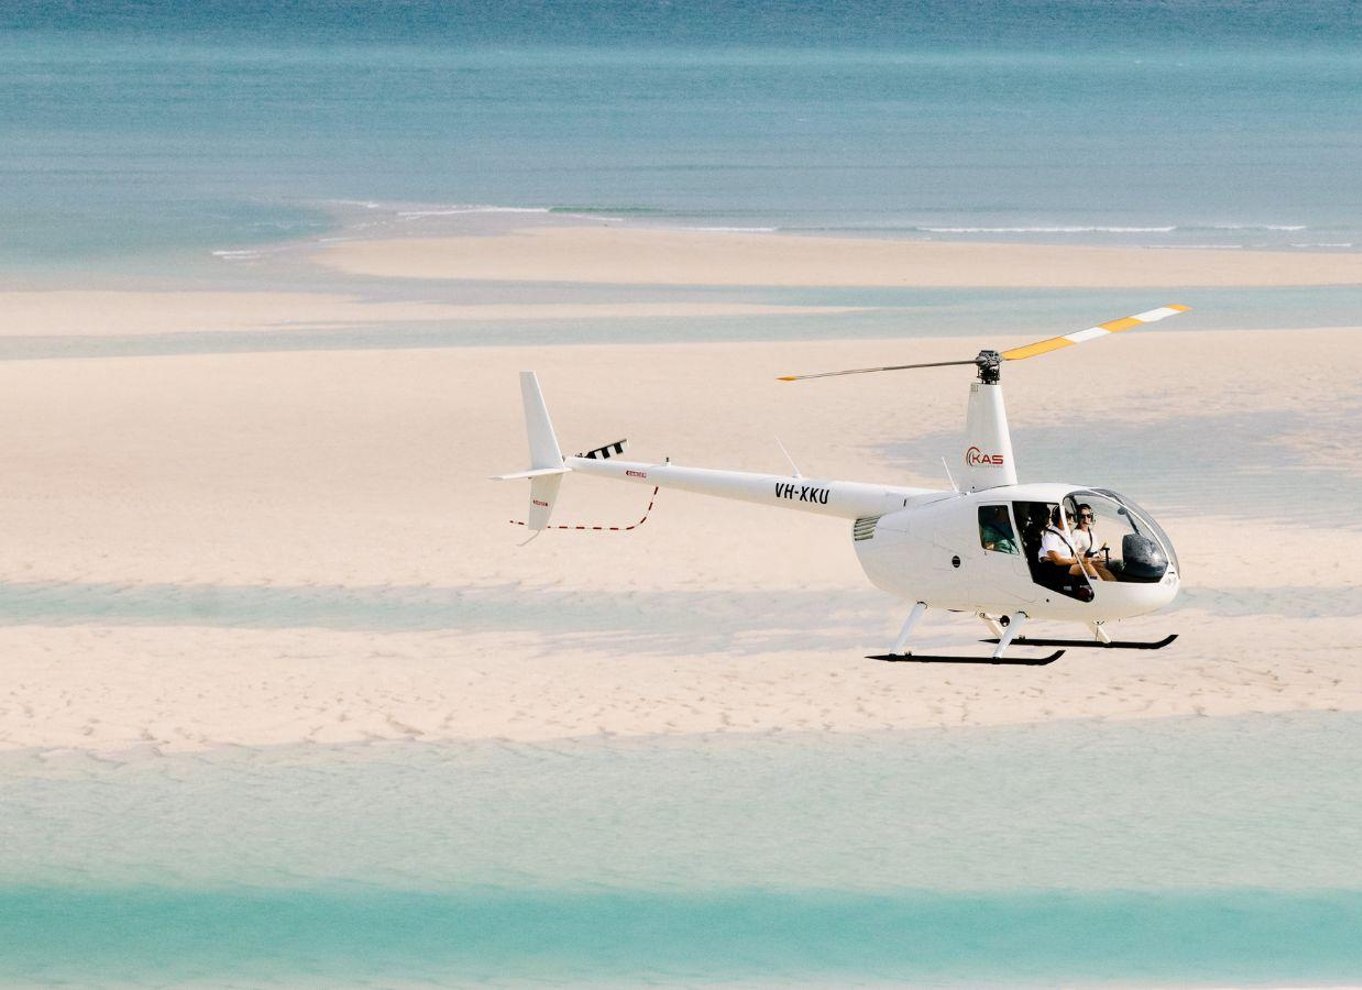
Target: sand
624,255
268,548
77,312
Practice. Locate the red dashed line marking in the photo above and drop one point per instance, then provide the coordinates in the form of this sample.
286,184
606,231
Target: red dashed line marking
613,529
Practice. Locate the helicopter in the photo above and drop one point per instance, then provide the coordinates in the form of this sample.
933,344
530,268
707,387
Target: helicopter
992,547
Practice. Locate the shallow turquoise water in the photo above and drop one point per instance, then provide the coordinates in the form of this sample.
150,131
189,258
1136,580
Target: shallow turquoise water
890,314
147,135
769,936
1171,852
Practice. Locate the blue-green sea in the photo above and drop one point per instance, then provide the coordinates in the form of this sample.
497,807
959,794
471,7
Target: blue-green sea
1172,852
146,134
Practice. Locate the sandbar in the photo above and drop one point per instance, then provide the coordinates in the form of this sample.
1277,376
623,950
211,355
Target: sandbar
266,548
636,256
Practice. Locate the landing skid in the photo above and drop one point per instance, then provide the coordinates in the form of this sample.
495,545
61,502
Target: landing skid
1115,644
1017,662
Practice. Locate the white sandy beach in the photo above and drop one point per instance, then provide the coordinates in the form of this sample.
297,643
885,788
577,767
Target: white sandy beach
274,547
623,255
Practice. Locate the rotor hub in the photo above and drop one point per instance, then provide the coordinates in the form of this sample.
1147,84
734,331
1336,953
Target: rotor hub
990,365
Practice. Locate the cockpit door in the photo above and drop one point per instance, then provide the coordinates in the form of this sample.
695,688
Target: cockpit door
1044,528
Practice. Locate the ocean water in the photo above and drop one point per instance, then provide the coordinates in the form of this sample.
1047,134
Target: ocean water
143,137
1184,851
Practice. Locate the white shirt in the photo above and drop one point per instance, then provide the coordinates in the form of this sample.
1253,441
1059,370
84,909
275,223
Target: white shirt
1053,539
1082,538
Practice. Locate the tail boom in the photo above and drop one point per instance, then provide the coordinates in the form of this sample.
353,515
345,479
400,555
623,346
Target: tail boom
841,499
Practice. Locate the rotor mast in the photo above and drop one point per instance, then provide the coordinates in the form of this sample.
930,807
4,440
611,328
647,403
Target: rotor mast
987,450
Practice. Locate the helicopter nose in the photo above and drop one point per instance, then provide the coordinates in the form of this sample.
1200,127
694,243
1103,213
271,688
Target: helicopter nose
1172,584
1141,599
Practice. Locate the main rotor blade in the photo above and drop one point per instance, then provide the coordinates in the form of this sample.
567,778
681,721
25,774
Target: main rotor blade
1018,353
1101,330
867,371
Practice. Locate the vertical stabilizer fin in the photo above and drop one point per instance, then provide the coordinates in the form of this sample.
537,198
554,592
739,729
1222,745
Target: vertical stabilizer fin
546,459
544,452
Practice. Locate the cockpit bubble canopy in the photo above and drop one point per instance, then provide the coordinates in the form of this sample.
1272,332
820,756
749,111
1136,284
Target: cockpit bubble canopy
1137,548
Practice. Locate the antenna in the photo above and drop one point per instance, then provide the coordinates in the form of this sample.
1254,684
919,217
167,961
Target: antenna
949,475
793,465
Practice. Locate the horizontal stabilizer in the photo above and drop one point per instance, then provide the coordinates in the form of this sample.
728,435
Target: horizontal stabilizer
523,475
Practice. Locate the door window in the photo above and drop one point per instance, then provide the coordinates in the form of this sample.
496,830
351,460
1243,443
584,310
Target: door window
995,530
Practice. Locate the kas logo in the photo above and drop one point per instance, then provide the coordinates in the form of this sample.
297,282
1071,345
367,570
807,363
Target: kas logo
975,457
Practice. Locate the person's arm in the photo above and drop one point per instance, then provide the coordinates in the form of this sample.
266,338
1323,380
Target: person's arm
1053,554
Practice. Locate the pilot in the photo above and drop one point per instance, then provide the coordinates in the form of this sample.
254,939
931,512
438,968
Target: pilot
1084,539
1057,548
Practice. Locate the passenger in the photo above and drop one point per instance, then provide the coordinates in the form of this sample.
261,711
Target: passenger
995,529
1058,551
1084,537
1034,523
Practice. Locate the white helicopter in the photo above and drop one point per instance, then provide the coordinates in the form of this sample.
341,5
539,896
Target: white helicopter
1000,550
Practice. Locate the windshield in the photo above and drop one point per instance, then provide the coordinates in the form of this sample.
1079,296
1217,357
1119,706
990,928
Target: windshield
1139,521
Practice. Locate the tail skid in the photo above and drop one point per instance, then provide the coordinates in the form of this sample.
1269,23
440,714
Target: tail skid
652,500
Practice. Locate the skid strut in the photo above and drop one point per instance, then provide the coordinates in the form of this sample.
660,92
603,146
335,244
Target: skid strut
909,623
1014,625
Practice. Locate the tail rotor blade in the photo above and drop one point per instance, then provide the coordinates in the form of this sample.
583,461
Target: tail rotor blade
1092,333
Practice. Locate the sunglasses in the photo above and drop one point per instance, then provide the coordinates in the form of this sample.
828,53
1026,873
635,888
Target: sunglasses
1086,515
